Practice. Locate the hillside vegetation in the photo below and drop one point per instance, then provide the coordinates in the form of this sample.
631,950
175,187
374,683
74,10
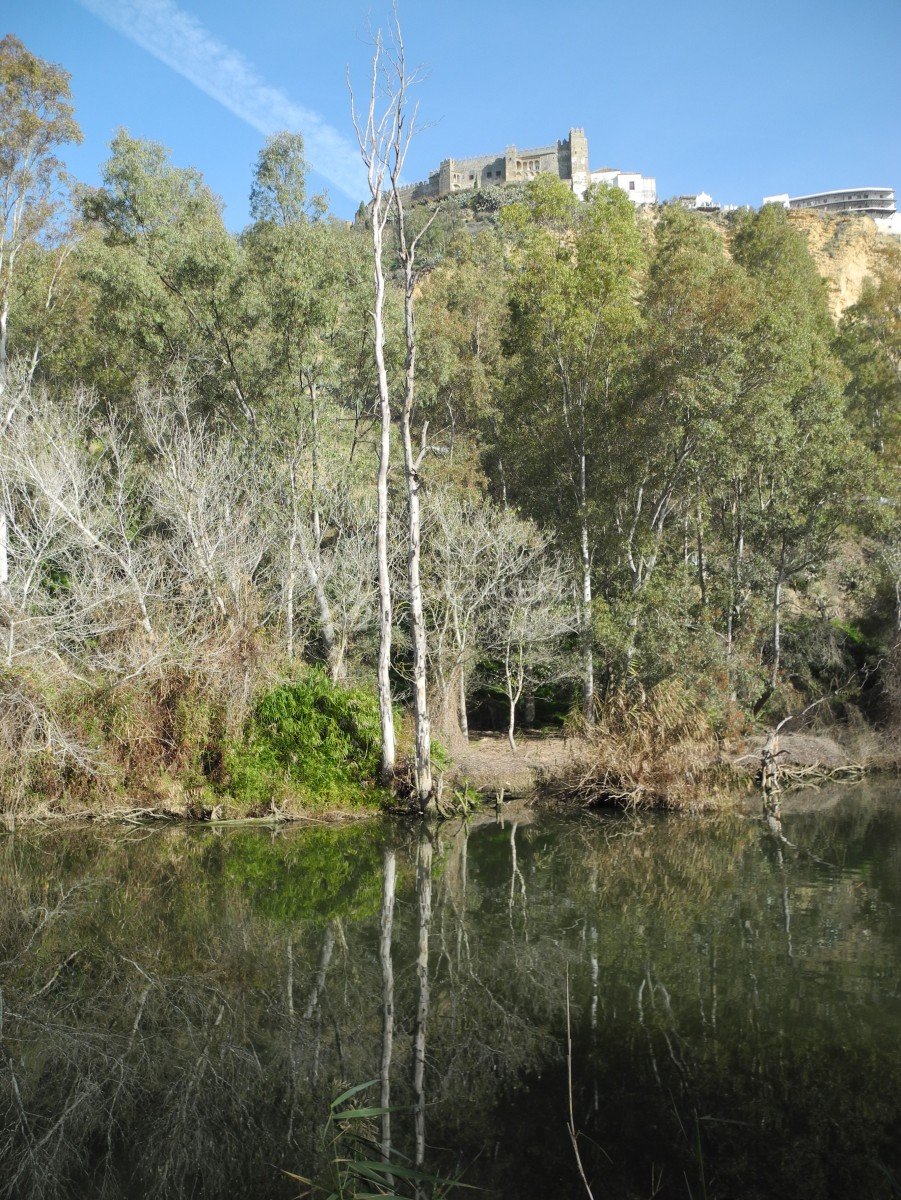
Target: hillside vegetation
656,459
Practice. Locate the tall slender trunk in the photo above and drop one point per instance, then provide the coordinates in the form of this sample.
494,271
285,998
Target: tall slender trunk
423,762
326,623
417,623
386,926
313,560
460,639
386,708
424,897
699,538
514,676
585,620
777,625
462,718
292,566
733,586
735,598
587,641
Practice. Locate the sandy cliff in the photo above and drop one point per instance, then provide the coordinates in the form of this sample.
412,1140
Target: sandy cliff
845,250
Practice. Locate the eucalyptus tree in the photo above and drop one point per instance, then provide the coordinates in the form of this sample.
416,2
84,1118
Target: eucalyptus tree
576,272
673,427
869,345
304,291
167,276
463,323
805,472
36,120
279,191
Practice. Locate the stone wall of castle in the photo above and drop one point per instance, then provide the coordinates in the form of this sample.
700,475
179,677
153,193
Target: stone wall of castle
567,159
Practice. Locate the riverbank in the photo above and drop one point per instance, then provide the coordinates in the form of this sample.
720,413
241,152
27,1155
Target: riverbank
686,777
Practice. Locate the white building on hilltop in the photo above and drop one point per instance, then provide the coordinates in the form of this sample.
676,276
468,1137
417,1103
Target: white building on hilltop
639,188
866,201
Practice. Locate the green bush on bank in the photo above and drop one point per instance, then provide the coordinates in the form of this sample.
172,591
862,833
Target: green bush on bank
309,740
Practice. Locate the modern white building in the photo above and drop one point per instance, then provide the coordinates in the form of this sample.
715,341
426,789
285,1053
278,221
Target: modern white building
868,201
639,188
702,202
890,224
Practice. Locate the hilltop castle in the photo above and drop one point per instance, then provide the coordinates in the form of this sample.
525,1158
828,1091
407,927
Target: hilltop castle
567,159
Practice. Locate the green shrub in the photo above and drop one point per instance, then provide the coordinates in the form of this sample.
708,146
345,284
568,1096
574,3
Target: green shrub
310,740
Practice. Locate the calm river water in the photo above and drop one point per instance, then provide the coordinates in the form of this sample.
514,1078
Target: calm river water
179,1007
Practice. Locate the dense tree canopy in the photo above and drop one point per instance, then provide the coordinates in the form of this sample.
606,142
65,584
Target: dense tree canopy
648,455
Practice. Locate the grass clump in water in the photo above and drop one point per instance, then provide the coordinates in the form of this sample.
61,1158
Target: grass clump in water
311,741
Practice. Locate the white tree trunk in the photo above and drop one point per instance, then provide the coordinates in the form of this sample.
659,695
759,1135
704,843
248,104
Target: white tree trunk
585,622
292,556
386,708
514,677
777,627
423,763
417,623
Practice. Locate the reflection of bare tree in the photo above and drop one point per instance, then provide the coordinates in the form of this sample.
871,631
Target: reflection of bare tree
424,900
386,925
516,876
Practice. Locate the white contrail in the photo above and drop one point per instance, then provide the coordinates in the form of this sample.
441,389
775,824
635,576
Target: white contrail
180,41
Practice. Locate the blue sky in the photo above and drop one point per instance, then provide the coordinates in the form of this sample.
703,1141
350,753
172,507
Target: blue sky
737,100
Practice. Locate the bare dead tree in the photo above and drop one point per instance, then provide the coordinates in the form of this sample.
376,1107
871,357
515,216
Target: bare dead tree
375,136
384,144
529,614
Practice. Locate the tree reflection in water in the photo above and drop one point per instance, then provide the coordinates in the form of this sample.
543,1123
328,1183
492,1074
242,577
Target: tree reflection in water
178,1009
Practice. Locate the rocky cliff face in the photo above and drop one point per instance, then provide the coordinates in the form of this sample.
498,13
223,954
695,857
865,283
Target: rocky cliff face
845,249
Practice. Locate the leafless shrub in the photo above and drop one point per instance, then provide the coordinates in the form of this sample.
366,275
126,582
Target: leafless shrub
653,749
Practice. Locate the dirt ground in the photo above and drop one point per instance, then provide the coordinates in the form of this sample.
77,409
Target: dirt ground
488,764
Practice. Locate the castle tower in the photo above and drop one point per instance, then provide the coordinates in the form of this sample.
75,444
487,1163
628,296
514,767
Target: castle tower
580,173
446,177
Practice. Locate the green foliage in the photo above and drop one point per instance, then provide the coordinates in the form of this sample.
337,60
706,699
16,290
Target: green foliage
490,199
279,192
311,740
319,875
356,1168
869,344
